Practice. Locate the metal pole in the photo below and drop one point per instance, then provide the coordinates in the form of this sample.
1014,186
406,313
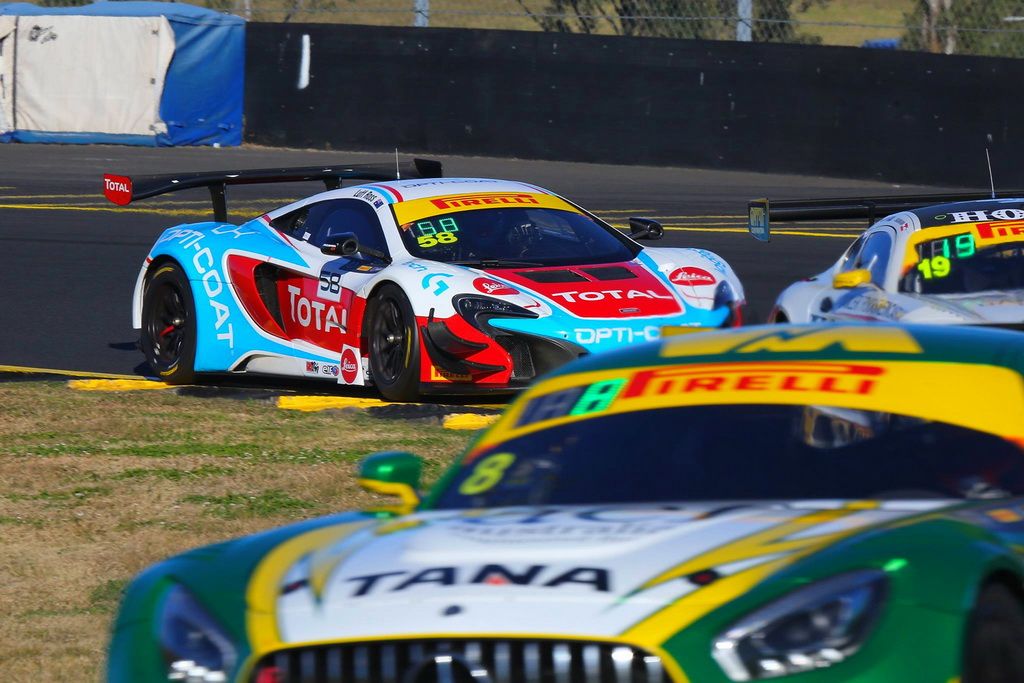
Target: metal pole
744,20
421,13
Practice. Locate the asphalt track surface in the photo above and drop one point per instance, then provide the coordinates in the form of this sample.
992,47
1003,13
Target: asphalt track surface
69,259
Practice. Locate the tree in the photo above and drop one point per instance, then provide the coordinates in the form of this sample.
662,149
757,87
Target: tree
703,19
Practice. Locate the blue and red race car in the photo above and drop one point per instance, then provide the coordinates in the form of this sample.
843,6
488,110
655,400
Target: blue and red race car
420,285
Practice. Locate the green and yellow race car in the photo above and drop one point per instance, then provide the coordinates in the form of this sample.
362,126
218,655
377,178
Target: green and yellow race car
818,504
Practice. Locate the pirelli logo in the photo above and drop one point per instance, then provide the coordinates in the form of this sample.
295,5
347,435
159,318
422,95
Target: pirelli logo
484,199
818,378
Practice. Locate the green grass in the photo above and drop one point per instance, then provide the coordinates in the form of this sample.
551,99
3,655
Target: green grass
130,478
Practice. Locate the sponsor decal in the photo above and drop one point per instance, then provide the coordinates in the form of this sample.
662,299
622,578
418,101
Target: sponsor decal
692,276
312,367
435,280
418,267
370,196
977,216
713,259
316,314
441,375
212,280
536,575
879,307
987,231
850,339
484,199
349,366
601,295
117,189
592,335
329,369
493,287
822,378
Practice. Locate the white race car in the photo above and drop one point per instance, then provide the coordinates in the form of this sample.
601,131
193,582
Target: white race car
419,285
937,259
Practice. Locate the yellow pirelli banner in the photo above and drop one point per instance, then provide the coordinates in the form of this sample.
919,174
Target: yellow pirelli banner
418,209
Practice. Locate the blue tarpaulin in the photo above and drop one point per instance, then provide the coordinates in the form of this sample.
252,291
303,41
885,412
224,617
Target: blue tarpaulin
202,97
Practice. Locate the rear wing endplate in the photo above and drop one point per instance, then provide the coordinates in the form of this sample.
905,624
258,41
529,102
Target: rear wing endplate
761,212
123,190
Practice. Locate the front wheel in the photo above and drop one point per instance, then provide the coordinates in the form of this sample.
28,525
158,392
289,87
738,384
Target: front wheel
169,325
394,344
994,647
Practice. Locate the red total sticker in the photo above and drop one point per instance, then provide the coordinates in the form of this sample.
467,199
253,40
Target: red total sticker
493,287
692,276
349,366
117,189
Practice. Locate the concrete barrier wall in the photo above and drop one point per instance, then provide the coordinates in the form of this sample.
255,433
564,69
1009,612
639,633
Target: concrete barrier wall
783,108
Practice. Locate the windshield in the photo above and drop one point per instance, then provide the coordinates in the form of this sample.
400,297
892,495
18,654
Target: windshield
956,264
540,236
737,452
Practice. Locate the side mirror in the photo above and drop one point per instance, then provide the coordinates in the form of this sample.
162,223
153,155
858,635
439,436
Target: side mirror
344,244
645,229
393,473
851,279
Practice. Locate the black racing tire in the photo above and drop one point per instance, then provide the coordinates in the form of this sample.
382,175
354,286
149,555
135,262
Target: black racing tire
169,324
994,640
393,339
779,319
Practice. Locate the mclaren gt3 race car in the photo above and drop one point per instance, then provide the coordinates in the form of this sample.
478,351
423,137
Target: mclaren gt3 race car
821,503
936,259
425,284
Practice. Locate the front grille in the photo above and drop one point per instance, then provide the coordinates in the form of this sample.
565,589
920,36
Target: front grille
522,359
463,661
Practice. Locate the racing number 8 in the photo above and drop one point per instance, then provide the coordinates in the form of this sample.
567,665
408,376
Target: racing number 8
487,474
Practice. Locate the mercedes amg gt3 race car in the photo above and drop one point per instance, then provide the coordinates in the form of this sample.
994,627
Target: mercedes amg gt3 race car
819,503
935,259
425,284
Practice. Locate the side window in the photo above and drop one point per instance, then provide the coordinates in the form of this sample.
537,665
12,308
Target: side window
849,258
321,222
874,256
333,218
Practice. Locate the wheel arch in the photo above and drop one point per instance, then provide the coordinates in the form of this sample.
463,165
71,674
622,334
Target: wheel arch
140,285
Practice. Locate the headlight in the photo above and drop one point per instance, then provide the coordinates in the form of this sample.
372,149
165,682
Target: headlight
477,310
195,646
811,628
726,296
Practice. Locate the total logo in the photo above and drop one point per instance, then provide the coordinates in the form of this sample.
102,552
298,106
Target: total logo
118,189
493,287
349,366
323,317
691,276
574,296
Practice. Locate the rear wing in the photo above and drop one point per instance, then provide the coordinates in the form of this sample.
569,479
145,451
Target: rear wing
123,190
761,212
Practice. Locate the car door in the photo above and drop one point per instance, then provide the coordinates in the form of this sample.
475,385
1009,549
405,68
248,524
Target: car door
867,301
319,307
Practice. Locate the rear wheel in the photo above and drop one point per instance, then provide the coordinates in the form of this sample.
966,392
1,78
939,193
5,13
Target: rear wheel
994,647
169,325
394,344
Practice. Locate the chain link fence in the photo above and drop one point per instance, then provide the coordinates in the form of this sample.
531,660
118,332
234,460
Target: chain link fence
976,27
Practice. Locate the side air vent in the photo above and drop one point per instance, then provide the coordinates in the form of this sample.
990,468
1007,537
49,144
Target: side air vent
610,273
266,284
545,276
